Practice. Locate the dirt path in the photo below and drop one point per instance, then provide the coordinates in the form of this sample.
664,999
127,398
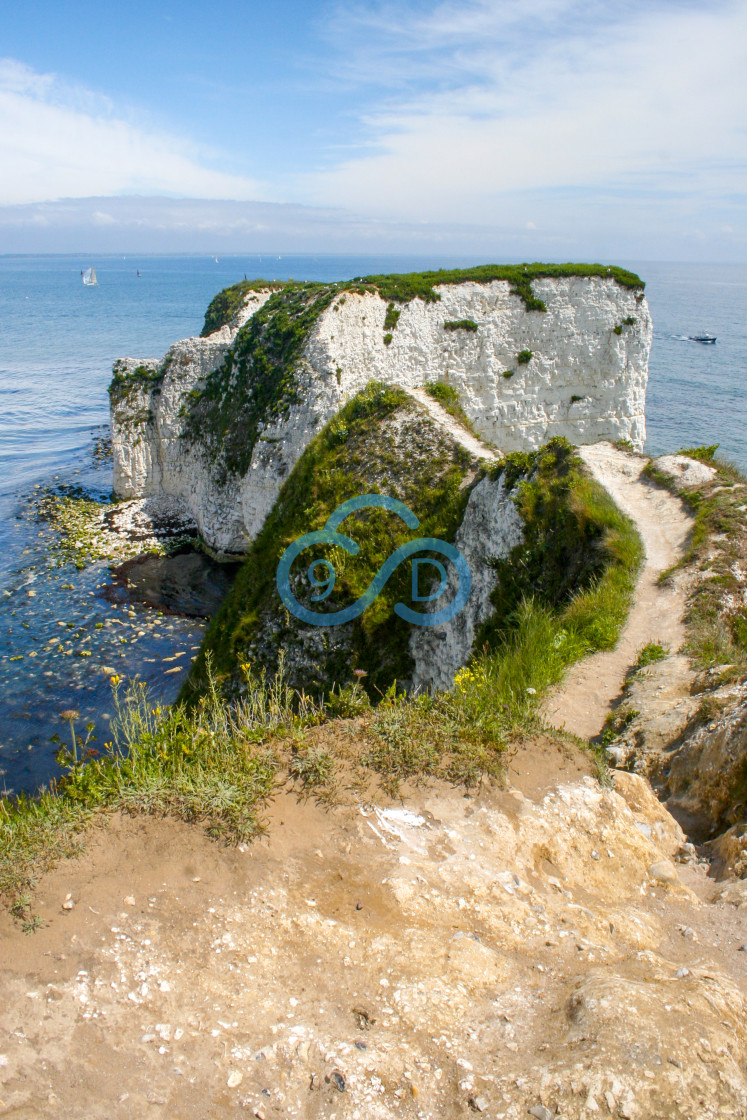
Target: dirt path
582,703
447,422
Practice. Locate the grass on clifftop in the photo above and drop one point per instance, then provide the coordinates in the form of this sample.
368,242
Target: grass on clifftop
226,304
406,286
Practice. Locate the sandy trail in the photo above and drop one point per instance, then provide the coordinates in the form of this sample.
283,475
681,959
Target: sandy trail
448,424
583,701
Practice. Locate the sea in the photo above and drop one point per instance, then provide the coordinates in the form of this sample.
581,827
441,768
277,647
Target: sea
60,627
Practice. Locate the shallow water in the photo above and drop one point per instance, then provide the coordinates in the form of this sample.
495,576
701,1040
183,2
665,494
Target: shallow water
59,628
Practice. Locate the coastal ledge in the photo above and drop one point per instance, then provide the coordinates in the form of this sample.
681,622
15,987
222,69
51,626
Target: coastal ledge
552,350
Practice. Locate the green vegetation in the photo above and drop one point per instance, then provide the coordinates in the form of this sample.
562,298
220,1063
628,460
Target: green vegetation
617,722
407,286
460,325
227,304
507,373
579,558
312,766
79,533
630,321
575,398
650,654
361,451
448,398
388,339
212,766
618,329
705,454
524,357
76,520
257,382
392,317
126,381
716,624
572,576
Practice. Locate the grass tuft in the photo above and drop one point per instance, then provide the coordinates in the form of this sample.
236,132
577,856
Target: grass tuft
650,654
448,397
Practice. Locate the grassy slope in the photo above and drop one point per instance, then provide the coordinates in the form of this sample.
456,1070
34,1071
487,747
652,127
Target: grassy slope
380,442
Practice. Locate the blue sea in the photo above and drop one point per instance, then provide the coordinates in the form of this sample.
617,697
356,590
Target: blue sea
58,339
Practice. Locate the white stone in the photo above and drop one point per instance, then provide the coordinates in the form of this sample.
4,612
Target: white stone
490,529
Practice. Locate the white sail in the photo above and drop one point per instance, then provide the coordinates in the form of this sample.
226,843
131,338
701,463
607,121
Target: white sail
89,278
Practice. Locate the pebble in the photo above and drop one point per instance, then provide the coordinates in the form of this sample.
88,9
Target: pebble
129,900
235,1078
480,1104
68,903
742,948
337,1080
540,1112
681,973
663,871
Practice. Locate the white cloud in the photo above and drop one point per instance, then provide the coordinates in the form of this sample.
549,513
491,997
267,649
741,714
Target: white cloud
496,98
60,141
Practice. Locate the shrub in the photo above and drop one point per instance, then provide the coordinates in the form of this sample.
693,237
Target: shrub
704,454
392,317
524,357
508,373
460,325
226,304
312,766
388,339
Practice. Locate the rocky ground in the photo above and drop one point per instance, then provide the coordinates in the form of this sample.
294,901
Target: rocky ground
529,951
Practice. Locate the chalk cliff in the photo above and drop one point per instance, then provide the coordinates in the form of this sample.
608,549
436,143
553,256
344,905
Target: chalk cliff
221,422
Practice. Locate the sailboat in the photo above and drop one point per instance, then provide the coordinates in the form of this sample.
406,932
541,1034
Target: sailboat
89,278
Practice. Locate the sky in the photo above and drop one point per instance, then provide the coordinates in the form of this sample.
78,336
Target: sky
551,129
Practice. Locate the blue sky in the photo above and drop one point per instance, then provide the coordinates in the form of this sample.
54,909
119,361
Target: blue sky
544,127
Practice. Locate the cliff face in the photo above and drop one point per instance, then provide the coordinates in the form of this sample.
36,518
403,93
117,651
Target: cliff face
578,369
